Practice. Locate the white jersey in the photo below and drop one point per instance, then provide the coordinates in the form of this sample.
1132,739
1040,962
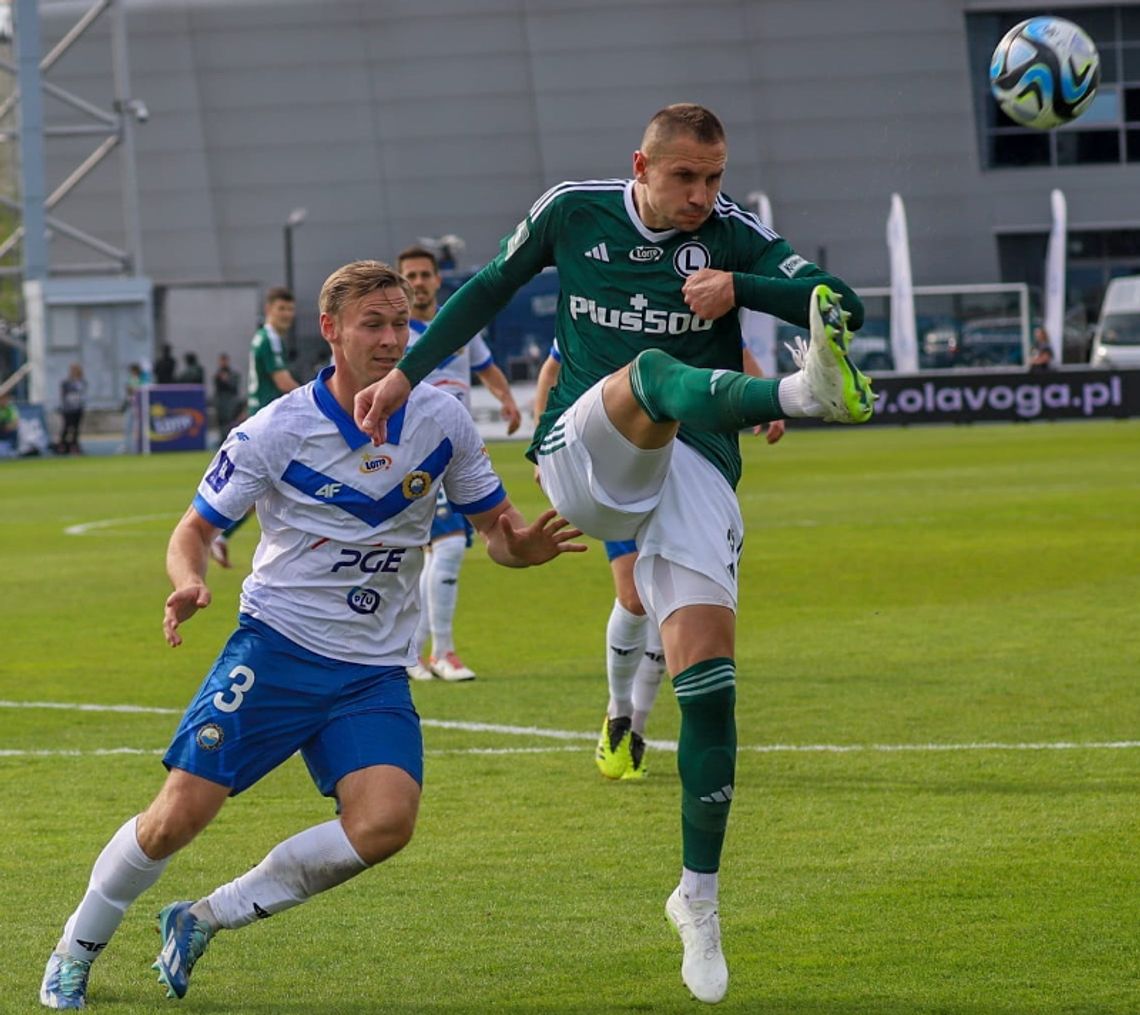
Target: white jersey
453,375
343,523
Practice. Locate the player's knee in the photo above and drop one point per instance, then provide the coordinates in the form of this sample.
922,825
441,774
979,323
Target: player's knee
630,601
163,831
377,833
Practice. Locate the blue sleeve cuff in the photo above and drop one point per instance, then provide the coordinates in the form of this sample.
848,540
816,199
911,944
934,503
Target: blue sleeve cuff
213,516
488,362
493,499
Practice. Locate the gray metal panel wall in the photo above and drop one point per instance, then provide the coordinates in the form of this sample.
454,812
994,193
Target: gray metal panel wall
391,119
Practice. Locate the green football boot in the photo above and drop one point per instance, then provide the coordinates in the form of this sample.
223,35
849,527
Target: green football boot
613,754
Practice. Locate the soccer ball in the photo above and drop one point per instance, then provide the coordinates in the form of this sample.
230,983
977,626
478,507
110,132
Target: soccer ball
1044,72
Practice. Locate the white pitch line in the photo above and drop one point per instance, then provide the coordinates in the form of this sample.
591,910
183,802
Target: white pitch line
83,528
661,745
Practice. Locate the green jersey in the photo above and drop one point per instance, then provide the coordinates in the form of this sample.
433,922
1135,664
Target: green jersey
620,292
266,357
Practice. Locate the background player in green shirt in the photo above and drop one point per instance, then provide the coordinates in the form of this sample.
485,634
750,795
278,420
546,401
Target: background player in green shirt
639,438
269,379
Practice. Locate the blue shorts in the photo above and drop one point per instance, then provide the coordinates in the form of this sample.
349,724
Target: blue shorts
266,698
448,522
619,548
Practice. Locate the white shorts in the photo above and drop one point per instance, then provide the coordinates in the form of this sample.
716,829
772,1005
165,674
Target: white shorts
569,478
692,519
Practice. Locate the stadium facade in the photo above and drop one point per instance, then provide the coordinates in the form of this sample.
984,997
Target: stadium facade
389,120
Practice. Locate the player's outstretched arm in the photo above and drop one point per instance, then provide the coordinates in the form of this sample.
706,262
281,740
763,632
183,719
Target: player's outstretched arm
513,543
187,555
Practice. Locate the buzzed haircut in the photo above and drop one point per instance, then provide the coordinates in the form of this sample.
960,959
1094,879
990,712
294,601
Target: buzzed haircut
359,278
278,293
417,252
701,124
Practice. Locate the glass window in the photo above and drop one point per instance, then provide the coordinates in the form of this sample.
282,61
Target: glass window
1130,24
1026,148
1134,146
1132,104
1130,63
1076,147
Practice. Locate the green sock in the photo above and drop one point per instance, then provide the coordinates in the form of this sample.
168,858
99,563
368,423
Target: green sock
706,758
720,401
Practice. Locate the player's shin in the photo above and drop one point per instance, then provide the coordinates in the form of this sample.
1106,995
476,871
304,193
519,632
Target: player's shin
295,870
120,875
706,758
721,401
625,644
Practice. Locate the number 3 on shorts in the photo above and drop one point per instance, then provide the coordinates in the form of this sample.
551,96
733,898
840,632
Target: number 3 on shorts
243,678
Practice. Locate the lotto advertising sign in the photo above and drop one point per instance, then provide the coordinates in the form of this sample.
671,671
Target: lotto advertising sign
173,417
970,397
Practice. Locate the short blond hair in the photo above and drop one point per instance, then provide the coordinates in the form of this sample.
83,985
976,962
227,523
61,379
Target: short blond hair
359,278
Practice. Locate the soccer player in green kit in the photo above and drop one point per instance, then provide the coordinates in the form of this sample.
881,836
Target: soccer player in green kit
639,437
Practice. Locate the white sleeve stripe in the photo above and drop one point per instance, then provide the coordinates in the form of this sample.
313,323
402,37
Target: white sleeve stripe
729,209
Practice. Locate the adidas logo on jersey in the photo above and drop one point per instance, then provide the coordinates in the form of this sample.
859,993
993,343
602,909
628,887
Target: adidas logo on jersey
599,253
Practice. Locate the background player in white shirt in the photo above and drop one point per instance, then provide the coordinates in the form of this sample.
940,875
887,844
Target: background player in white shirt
450,531
318,662
635,660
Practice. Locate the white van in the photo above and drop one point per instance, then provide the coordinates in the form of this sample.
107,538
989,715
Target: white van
1116,344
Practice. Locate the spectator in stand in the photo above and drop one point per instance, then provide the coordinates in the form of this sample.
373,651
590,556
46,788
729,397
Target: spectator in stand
192,372
228,403
1041,355
165,366
135,380
72,402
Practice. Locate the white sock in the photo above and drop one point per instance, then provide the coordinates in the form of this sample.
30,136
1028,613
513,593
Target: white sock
625,642
647,680
443,591
121,874
697,887
295,870
795,398
421,636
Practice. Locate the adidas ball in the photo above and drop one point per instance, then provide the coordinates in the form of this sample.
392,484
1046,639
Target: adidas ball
1044,72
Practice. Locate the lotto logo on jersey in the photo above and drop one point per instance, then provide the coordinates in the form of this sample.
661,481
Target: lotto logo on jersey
640,318
381,463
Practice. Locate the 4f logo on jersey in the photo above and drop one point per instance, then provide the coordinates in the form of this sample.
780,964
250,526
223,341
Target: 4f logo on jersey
328,490
690,258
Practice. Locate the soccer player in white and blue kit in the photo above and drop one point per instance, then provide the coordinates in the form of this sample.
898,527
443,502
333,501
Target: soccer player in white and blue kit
318,661
450,531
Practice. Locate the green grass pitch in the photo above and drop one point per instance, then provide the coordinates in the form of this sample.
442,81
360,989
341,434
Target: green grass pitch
938,792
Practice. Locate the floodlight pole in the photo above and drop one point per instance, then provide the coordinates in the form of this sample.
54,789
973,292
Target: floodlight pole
33,187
